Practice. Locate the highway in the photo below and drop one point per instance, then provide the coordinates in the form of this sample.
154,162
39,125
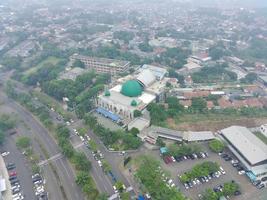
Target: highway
103,182
65,172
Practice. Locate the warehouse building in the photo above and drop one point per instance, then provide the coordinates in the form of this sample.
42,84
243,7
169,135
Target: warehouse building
248,148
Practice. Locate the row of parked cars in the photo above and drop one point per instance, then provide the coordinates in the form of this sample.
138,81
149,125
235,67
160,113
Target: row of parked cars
169,182
241,170
170,159
39,188
203,179
14,181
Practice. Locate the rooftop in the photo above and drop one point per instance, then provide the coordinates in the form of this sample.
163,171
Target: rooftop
249,145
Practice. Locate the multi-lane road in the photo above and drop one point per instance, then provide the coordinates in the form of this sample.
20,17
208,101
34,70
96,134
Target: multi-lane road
65,182
103,182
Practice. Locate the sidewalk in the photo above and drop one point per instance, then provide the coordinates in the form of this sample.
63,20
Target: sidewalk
7,195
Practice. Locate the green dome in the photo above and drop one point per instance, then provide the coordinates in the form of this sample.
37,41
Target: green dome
107,93
133,103
131,88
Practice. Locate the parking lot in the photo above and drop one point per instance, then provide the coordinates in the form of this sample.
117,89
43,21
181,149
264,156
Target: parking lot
178,168
22,169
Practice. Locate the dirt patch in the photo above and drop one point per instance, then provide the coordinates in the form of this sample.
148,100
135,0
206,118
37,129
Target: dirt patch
216,125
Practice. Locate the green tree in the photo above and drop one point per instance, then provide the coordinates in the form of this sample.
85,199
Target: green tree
137,113
134,131
78,63
209,194
216,145
160,142
249,78
81,162
102,197
23,142
230,188
199,104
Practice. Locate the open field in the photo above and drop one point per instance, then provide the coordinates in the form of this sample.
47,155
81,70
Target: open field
199,122
50,60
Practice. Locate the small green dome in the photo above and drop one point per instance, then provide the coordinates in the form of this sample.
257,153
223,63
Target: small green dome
133,103
131,88
107,93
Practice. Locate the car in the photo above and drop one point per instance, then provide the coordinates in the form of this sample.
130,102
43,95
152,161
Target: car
12,178
195,155
14,181
260,186
185,158
197,181
5,153
224,155
234,161
15,190
82,138
170,181
236,193
257,182
190,184
186,186
241,172
99,163
235,164
67,123
227,158
87,137
264,179
115,189
173,159
11,166
14,173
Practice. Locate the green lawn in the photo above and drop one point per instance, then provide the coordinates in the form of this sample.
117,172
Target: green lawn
261,136
50,60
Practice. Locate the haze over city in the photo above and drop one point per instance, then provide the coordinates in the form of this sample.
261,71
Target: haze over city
133,99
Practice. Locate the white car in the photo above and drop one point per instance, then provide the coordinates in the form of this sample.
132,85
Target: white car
82,138
6,153
115,189
241,172
99,163
68,123
87,137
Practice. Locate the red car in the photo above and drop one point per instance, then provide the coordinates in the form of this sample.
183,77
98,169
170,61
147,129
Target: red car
12,173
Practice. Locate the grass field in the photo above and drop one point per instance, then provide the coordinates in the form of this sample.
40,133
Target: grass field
52,103
212,122
261,136
50,60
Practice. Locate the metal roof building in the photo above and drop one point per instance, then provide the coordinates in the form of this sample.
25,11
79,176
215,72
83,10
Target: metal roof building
191,136
248,148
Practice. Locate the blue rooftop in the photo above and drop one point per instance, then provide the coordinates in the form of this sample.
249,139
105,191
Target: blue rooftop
251,176
163,150
140,197
108,114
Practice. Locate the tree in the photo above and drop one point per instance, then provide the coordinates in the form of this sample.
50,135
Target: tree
78,63
216,145
81,162
199,104
82,178
134,131
230,188
160,142
137,113
23,142
125,196
102,197
209,194
249,78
